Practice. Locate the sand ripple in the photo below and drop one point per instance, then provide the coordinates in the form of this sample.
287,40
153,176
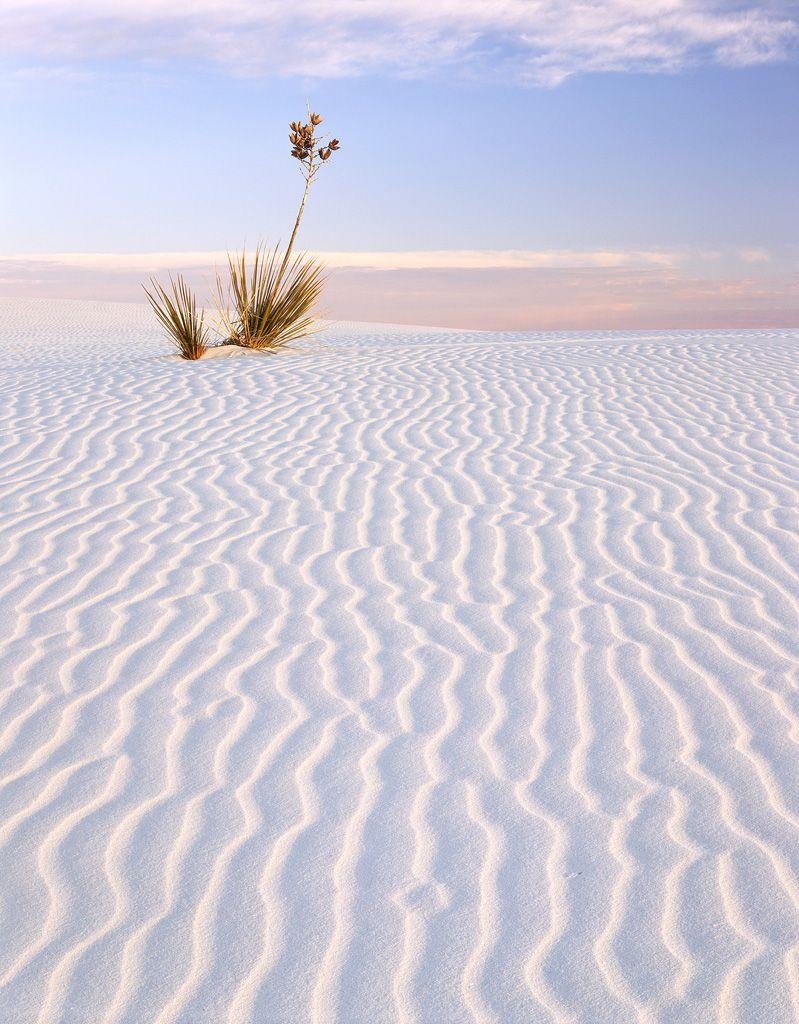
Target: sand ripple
414,675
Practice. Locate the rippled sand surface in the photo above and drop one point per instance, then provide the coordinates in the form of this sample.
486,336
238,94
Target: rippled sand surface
409,676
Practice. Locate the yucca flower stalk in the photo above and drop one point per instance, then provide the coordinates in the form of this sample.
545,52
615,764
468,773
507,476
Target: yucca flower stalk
312,151
177,313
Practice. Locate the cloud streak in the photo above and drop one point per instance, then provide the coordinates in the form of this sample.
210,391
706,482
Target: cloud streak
541,42
437,259
477,289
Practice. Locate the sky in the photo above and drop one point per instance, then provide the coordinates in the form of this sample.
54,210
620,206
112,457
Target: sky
516,164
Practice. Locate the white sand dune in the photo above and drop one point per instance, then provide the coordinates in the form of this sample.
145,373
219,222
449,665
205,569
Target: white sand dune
413,675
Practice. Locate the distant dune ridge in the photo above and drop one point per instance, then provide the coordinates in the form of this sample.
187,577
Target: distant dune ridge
406,675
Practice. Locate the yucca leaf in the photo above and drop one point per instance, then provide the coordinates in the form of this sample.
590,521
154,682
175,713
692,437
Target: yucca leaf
177,313
272,305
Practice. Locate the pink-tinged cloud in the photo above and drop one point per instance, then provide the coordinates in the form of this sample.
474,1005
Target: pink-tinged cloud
551,291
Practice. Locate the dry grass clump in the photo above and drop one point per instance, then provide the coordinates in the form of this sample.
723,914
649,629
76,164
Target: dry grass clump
178,315
269,303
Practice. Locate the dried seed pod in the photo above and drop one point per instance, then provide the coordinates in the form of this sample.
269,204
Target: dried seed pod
316,119
334,144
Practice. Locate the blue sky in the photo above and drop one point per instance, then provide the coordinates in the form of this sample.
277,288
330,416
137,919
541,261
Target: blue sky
654,143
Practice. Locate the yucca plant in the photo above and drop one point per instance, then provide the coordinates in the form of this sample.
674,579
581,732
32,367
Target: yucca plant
267,304
178,315
271,303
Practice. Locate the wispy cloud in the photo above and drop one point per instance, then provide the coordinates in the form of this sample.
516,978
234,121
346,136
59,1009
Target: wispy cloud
755,256
498,290
437,259
543,42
